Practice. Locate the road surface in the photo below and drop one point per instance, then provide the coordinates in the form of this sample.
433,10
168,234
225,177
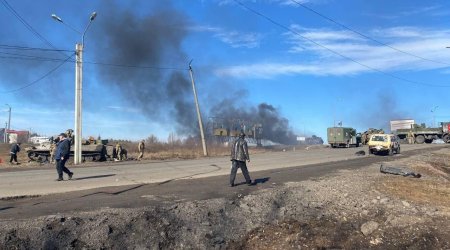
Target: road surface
35,192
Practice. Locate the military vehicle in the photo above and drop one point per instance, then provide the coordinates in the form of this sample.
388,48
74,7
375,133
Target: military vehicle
96,150
366,135
423,134
343,137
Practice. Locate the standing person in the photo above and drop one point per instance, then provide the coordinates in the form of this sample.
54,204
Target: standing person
61,156
239,154
141,148
52,151
15,149
119,152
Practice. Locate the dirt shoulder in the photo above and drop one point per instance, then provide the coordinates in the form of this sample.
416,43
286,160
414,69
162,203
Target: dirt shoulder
350,209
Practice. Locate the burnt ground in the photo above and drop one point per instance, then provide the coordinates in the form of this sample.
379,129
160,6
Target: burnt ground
347,204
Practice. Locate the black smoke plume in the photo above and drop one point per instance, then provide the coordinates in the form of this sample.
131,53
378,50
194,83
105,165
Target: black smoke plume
275,127
154,40
166,95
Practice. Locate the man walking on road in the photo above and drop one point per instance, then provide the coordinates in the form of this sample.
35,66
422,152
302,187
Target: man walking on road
15,149
239,154
61,156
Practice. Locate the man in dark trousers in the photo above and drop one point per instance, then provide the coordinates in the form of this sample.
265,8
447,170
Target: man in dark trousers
15,149
239,154
61,156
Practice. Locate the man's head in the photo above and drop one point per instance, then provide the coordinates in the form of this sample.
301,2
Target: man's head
242,135
62,135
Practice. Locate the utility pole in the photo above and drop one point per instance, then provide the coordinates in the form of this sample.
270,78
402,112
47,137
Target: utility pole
9,124
4,134
78,101
78,86
199,116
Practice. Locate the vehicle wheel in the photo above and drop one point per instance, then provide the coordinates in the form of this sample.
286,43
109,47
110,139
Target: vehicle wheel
420,139
446,138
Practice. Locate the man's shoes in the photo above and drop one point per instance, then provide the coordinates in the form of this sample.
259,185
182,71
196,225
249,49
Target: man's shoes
232,185
249,183
70,175
59,179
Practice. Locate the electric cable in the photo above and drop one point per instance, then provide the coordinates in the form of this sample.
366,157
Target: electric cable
367,37
335,52
39,58
40,78
13,47
28,26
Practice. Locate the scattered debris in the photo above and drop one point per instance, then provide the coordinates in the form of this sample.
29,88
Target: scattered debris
360,153
398,171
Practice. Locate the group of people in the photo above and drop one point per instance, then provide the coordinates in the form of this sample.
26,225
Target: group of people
60,152
120,153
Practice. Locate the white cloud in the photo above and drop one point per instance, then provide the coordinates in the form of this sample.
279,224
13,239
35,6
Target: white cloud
342,53
433,10
235,39
124,109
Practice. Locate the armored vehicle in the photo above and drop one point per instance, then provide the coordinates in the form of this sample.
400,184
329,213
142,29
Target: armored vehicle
366,135
343,137
96,150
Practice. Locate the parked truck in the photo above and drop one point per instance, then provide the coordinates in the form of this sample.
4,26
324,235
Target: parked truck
343,137
422,134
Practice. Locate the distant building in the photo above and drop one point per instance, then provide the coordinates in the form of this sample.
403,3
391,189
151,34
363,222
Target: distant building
18,135
313,140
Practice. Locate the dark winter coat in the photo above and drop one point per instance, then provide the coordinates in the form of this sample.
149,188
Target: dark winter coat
239,150
15,148
62,149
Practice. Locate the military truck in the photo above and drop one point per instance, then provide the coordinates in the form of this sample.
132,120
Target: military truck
343,137
422,134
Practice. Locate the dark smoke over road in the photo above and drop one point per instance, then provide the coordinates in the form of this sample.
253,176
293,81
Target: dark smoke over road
275,127
166,95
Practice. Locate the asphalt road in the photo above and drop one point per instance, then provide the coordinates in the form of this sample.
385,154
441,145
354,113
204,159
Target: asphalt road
33,193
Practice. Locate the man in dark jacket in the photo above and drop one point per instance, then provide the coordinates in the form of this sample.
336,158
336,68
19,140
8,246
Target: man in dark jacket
61,156
15,148
239,154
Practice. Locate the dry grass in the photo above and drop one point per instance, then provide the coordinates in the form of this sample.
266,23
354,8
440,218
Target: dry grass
418,190
185,152
434,188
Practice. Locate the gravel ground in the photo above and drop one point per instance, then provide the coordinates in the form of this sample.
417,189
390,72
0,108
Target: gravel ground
351,209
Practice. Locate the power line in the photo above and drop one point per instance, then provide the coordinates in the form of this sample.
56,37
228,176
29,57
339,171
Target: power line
335,52
22,56
25,23
367,37
135,66
14,47
38,58
40,78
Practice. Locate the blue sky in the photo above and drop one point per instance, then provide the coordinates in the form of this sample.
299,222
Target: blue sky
378,60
